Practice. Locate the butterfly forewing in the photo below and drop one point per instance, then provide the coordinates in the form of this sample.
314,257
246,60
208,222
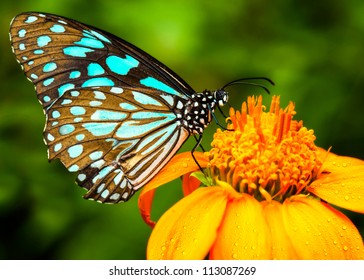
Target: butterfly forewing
58,54
110,107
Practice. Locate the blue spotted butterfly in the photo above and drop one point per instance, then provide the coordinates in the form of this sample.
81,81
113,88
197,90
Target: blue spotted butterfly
114,114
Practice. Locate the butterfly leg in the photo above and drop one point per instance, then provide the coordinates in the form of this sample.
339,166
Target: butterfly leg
198,143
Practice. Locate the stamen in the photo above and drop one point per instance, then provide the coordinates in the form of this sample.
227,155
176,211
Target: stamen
267,154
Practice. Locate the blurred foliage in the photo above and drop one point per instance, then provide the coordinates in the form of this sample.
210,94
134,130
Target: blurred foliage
313,50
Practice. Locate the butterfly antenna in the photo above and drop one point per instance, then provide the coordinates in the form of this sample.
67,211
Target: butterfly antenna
244,81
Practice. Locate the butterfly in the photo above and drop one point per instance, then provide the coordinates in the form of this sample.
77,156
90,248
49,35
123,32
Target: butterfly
114,114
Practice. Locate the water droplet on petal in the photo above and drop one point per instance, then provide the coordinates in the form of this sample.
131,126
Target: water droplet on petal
163,248
344,227
346,248
235,256
346,197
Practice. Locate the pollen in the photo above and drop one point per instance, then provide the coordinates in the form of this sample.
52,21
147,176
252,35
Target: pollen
264,153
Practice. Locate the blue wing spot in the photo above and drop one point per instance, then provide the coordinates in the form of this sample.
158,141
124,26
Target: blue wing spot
145,99
116,90
91,43
64,88
31,19
50,137
168,98
100,129
48,82
81,177
105,194
153,115
77,110
98,82
106,115
102,173
22,46
66,101
34,76
55,114
38,52
78,119
76,51
92,34
74,168
136,129
44,40
54,123
21,33
57,147
118,178
128,106
75,151
46,98
66,129
100,188
96,155
31,62
120,65
49,67
80,137
75,93
95,69
94,103
156,84
75,74
57,28
98,164
99,95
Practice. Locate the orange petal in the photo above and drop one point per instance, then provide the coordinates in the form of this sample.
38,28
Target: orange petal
188,229
334,162
189,184
319,231
341,183
180,164
282,247
244,233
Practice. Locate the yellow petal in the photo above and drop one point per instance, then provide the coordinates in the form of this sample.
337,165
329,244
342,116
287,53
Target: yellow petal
341,183
244,233
188,229
282,247
180,164
319,231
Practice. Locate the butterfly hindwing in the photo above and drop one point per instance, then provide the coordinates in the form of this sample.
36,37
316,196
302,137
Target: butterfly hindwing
115,138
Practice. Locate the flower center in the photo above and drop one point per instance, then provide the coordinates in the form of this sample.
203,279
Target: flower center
265,154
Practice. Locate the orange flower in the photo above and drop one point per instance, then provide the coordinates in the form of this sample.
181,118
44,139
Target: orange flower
265,194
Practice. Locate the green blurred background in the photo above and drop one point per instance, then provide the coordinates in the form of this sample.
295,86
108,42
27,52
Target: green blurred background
313,50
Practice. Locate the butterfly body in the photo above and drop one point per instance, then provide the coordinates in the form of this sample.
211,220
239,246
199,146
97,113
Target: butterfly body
114,114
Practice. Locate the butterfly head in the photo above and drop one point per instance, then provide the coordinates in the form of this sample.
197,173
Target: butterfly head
221,97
